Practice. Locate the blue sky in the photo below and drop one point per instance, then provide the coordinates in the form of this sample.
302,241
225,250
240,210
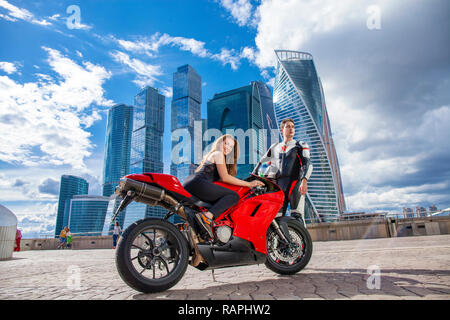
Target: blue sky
385,74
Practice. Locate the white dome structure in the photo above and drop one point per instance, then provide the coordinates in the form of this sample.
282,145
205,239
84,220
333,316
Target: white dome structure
8,228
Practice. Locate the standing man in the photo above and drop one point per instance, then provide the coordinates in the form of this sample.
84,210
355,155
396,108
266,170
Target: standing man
289,164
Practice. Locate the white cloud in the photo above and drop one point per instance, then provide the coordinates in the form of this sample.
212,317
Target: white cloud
8,67
290,24
151,45
248,53
8,18
80,26
228,57
14,13
41,22
167,91
54,17
379,198
146,73
44,122
35,218
240,10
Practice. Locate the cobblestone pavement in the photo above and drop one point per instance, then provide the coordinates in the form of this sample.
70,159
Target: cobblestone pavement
410,268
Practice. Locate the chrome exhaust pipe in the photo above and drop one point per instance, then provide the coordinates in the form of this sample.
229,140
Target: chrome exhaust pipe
149,195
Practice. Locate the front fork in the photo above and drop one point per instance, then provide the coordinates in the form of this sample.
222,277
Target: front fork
282,231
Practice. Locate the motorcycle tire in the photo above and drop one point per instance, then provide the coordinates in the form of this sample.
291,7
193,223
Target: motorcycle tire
297,228
124,262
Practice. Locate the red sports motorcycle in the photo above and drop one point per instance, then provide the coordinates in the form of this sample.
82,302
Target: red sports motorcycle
153,254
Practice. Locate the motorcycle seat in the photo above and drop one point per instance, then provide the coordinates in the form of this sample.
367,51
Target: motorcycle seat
199,203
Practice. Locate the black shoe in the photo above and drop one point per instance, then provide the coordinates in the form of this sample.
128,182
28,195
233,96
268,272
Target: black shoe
298,217
205,222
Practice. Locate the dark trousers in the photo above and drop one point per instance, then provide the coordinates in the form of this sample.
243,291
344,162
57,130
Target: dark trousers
291,195
221,197
115,237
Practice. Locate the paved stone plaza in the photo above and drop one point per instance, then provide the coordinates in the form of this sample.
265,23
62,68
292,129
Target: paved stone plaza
409,268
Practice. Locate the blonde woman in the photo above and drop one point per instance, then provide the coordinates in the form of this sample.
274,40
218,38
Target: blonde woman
218,164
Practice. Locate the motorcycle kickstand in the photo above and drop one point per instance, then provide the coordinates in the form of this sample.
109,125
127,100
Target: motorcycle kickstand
212,274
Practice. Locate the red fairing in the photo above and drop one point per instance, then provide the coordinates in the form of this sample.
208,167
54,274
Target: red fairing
166,181
252,216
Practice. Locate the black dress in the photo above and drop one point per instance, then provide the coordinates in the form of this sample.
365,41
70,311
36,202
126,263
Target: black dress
201,185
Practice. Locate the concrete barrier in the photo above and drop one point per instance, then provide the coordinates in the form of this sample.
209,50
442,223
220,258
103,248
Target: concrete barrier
422,226
342,230
78,243
379,228
348,230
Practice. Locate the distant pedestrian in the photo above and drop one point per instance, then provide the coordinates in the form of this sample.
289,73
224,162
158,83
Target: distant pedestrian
116,233
62,238
69,238
18,238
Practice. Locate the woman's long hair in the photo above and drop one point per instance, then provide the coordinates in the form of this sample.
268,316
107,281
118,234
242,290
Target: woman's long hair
217,146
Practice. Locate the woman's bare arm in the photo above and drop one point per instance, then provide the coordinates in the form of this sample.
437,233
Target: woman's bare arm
219,159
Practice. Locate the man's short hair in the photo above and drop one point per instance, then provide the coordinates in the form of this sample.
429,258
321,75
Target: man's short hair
284,122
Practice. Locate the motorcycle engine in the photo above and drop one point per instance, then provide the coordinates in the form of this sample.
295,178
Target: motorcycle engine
223,233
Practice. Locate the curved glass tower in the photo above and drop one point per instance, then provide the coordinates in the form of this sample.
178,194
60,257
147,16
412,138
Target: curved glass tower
298,95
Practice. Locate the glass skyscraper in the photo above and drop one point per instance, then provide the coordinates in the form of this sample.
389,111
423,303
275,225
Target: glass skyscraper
146,146
69,186
186,108
117,146
298,95
117,150
87,214
241,109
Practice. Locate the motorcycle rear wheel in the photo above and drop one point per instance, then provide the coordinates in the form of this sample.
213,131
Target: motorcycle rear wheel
149,247
289,260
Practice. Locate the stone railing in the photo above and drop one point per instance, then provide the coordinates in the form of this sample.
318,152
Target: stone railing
80,242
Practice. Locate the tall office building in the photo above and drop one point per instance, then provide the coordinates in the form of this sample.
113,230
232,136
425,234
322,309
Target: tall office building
421,211
117,146
433,209
408,212
298,95
241,109
69,186
146,146
86,214
186,108
119,128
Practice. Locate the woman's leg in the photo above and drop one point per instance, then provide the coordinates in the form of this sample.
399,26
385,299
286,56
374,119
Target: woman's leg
221,197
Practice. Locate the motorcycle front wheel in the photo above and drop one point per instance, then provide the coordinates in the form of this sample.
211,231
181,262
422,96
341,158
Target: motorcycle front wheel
152,255
290,258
